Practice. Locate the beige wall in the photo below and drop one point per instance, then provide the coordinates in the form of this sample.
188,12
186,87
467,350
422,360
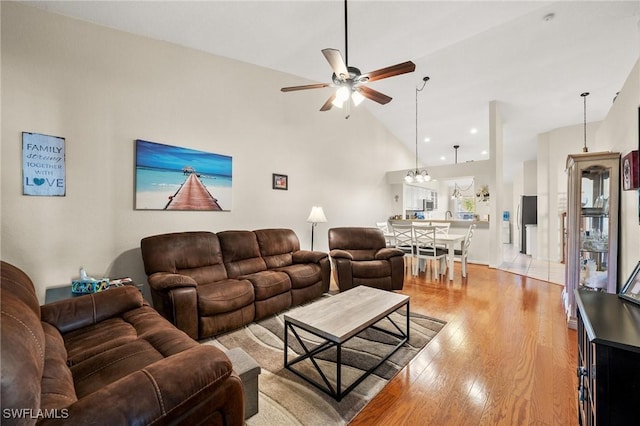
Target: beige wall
553,148
619,132
101,89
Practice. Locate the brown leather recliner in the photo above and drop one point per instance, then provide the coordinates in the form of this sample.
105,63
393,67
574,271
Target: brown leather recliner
361,257
190,286
282,275
242,259
309,271
106,358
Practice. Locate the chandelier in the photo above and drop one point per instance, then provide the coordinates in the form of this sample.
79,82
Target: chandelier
458,190
418,175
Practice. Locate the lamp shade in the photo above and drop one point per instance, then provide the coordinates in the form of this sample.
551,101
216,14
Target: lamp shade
316,215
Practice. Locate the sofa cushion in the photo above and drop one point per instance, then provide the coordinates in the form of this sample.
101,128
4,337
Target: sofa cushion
196,254
267,284
303,275
277,246
95,339
362,255
241,253
371,269
112,349
224,296
356,239
58,390
107,367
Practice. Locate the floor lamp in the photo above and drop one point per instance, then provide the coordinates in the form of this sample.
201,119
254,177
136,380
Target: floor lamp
316,216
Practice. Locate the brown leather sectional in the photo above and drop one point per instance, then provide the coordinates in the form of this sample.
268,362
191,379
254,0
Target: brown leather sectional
107,358
207,283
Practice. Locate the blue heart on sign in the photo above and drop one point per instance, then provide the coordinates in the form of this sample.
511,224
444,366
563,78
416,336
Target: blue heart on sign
38,181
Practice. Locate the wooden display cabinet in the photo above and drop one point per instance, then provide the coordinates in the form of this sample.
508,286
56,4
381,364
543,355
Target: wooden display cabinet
593,195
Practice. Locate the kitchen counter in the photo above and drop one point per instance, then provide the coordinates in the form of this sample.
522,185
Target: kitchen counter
454,223
480,241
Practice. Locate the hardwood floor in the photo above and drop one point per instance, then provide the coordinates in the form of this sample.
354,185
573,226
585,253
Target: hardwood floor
505,357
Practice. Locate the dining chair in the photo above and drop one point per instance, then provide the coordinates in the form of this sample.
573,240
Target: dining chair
388,235
442,227
463,253
424,242
403,240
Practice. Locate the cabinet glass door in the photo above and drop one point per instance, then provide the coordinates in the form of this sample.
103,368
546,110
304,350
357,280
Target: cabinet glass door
594,228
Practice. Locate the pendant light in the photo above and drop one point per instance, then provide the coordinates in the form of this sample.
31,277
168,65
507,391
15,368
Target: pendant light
584,97
418,175
457,189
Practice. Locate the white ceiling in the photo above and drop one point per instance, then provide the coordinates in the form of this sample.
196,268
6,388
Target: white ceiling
474,52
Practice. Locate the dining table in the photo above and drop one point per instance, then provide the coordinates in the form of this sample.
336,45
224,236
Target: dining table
450,240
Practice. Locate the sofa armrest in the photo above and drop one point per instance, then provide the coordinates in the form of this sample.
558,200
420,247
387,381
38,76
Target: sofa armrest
388,253
77,312
194,384
341,254
308,256
164,281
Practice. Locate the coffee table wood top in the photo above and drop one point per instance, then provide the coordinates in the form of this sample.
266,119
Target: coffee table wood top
344,315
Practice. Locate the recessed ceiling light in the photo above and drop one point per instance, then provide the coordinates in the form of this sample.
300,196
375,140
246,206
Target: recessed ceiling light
443,158
484,152
473,131
427,139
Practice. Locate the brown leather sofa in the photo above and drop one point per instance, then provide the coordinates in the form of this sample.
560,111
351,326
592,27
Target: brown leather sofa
361,257
207,283
107,358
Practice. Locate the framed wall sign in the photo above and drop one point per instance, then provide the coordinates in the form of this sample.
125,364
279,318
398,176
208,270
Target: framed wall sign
631,289
43,165
280,181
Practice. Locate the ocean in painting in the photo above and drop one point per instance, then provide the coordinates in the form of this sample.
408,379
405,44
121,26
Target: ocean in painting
160,172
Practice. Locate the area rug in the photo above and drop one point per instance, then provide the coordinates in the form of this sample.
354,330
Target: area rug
286,399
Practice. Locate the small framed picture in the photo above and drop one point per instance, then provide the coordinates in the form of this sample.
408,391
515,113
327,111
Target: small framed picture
280,181
631,289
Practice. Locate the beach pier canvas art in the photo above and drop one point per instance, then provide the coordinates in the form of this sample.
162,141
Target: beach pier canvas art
175,178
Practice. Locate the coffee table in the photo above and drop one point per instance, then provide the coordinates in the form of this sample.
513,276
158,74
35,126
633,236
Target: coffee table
337,319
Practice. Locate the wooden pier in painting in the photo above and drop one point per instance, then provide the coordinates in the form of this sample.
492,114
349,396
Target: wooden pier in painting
193,195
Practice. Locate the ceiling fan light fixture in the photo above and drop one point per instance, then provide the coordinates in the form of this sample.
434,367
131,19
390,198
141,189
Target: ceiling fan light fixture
357,97
342,94
350,78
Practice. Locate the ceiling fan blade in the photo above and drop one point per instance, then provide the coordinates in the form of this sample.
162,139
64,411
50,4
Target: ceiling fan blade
338,66
327,105
391,71
374,95
305,87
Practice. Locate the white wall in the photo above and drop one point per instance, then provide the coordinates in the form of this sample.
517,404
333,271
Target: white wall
101,89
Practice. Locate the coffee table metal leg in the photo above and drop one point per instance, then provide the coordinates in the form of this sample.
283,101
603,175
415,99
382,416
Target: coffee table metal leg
339,371
338,393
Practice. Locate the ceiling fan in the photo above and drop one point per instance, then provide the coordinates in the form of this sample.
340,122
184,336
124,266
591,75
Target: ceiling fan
350,81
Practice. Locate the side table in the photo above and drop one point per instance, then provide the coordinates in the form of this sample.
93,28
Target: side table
53,294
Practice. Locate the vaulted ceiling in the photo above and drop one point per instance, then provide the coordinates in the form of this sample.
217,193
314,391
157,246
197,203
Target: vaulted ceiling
533,57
